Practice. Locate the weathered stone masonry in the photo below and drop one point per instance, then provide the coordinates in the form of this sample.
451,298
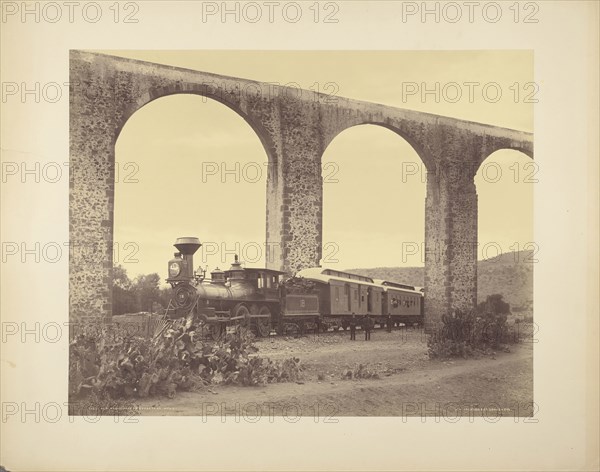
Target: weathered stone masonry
295,127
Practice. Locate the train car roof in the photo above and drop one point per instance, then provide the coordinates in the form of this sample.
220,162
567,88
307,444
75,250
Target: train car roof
270,271
397,286
321,274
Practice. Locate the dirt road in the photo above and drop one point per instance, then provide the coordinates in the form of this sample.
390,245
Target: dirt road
407,383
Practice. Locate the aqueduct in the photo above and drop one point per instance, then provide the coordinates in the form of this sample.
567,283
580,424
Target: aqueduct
295,127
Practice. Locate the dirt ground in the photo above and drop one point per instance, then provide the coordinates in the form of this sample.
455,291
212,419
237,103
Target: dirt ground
406,383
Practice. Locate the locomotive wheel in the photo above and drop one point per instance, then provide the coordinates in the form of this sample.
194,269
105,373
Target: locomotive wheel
241,311
291,329
264,324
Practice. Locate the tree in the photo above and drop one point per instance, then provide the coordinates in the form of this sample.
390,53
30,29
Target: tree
134,296
147,291
123,297
166,294
494,304
120,278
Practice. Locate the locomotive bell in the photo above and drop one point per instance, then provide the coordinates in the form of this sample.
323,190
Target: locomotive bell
182,267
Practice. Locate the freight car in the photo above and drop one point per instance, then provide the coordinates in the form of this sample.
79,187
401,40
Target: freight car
267,299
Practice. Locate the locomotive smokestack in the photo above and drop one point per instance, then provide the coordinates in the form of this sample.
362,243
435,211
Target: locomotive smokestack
188,247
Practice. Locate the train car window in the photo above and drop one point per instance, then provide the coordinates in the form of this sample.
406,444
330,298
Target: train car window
274,281
268,281
260,283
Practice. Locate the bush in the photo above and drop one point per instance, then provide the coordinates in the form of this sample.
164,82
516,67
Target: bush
464,334
112,364
363,371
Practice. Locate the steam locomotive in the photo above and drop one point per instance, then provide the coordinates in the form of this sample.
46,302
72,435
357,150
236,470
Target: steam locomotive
265,299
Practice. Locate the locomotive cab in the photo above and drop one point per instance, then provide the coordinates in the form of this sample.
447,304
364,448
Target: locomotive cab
265,281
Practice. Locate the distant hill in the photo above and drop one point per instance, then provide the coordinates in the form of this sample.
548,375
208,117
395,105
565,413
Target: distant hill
509,274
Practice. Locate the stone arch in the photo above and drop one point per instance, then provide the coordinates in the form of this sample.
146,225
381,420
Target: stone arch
256,107
526,151
525,148
395,201
418,145
201,90
503,193
190,117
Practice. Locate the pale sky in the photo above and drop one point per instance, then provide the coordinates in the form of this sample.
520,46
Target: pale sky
370,209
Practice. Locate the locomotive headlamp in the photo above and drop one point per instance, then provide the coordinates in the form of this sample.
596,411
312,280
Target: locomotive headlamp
174,269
